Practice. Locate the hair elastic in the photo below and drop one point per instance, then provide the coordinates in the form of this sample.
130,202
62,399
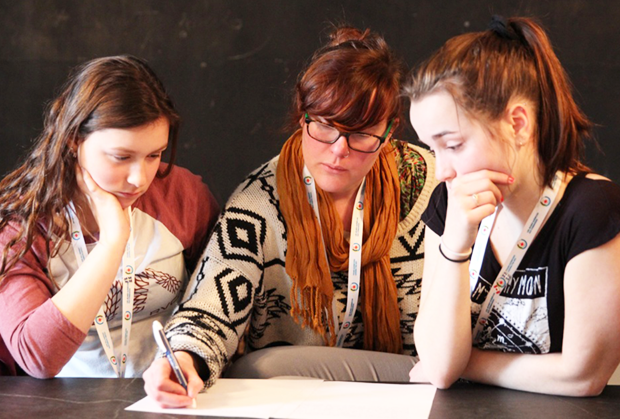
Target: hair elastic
452,256
499,25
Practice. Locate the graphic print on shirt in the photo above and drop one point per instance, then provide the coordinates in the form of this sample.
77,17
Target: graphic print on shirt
519,320
112,303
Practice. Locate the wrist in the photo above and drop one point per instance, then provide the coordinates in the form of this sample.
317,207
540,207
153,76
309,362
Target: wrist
451,255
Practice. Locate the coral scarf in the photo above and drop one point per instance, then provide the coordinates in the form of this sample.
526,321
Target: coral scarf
313,290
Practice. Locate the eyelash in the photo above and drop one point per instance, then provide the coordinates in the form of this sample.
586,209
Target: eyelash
124,158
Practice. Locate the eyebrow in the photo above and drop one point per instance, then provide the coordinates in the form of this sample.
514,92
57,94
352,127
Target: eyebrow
128,151
442,134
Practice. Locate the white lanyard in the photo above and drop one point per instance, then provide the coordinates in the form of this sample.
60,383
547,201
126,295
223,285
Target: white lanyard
128,276
355,253
531,228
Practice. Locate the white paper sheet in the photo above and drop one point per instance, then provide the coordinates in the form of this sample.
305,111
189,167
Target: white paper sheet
305,399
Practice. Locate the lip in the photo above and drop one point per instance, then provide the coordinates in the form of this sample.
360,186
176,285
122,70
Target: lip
129,195
334,168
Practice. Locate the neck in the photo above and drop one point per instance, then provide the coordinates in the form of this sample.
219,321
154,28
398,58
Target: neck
522,199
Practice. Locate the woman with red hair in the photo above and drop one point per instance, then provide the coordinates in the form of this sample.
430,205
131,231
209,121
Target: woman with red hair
320,250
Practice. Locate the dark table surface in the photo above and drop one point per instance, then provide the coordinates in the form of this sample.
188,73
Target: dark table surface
25,398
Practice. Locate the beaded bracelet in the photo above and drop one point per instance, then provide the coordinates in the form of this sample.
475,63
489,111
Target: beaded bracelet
453,256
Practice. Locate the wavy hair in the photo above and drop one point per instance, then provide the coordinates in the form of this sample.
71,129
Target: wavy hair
110,92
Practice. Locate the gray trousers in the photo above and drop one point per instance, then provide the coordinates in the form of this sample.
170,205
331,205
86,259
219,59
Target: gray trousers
327,363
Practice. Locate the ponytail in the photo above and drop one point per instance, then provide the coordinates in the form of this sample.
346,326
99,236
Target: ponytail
514,58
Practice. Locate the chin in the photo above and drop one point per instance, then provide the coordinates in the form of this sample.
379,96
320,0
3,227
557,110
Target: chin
126,203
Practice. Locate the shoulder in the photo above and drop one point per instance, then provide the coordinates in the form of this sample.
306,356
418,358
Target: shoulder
258,187
179,189
588,213
416,167
35,259
594,194
435,213
180,200
179,181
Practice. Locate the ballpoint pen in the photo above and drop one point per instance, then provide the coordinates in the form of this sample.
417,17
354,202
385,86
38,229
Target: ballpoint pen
164,345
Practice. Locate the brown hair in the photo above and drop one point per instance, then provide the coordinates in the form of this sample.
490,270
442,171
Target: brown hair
110,92
483,71
352,82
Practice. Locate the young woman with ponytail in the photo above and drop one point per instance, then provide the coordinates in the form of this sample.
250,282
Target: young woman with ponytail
317,258
92,195
521,283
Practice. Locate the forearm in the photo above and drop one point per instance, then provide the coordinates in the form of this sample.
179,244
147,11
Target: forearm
81,297
549,374
443,327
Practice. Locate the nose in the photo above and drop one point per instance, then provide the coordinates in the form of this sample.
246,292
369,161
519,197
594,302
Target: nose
444,171
341,147
137,174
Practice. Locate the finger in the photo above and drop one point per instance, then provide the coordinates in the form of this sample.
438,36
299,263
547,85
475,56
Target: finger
494,176
480,213
485,198
158,385
476,192
194,382
194,385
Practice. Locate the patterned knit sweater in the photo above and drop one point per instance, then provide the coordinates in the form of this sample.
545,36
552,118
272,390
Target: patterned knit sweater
240,289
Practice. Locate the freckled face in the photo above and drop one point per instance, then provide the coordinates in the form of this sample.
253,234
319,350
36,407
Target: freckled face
124,162
461,145
336,168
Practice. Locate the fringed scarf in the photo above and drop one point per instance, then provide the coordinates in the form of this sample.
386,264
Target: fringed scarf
313,290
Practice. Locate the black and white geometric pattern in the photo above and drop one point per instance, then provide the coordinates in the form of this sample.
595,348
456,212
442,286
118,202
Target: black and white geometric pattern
242,280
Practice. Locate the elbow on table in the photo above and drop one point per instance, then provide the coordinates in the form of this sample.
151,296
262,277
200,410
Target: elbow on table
40,371
442,378
588,387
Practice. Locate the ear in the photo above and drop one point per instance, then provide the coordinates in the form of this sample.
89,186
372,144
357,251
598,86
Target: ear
393,129
519,117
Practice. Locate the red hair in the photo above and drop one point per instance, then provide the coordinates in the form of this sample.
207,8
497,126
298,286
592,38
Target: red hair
483,71
352,82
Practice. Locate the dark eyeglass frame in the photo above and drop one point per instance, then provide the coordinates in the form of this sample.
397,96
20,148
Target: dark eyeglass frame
346,135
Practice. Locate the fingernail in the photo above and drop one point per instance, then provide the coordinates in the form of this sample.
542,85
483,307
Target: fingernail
502,199
511,179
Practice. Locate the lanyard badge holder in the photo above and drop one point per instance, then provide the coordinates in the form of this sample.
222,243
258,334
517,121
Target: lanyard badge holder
355,254
543,208
128,278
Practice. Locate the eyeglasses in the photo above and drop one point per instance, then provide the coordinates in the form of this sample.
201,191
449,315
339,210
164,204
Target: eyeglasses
358,141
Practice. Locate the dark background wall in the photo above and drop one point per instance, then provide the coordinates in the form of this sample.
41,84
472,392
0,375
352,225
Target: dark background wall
231,65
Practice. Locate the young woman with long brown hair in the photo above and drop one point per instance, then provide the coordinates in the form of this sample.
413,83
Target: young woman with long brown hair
521,283
319,251
96,232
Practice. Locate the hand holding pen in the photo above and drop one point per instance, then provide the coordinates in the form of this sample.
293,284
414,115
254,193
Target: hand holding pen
171,381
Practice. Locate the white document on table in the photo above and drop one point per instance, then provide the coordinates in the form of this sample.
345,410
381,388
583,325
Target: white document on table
305,399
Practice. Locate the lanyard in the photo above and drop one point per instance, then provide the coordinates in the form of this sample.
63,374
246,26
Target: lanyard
128,277
543,207
355,253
